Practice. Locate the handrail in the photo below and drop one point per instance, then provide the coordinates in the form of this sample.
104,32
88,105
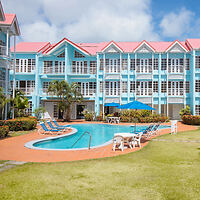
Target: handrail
81,137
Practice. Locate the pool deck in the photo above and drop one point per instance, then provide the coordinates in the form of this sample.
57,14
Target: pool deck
12,148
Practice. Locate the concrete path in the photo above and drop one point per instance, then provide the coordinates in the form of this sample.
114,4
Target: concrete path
10,164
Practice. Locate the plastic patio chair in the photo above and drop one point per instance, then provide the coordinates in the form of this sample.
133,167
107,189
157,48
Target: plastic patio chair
118,142
137,140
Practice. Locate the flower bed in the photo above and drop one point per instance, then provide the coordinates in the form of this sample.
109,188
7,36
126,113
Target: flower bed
191,119
4,130
20,124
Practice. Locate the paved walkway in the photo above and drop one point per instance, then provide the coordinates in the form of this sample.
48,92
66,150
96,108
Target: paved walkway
13,148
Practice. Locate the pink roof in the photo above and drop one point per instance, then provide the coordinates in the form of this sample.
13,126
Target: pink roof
30,46
193,43
9,18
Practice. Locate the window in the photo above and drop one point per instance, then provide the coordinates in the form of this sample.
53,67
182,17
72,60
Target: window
45,86
197,86
155,64
197,109
197,63
112,65
48,67
163,64
62,55
155,86
187,64
132,64
28,111
59,66
78,55
132,86
101,64
187,86
79,67
55,110
124,86
25,65
164,86
93,67
124,64
101,87
17,65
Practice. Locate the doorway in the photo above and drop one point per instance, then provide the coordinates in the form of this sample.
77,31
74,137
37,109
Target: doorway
79,111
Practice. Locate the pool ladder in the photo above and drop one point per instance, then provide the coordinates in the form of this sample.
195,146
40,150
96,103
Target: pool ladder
81,137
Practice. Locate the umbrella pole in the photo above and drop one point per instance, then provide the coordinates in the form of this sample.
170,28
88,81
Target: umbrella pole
135,123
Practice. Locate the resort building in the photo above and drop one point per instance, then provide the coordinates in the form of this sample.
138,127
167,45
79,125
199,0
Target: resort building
8,27
164,75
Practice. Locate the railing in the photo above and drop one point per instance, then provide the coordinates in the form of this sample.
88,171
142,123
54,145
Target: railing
2,50
144,92
27,91
52,70
90,92
175,91
112,92
175,69
144,69
81,137
113,69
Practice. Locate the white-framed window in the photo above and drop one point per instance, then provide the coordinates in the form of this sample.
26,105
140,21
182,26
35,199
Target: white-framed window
79,67
175,65
48,67
197,109
25,65
132,86
144,88
124,86
93,67
144,65
78,55
187,64
197,61
112,65
155,64
164,64
164,86
132,64
28,111
175,88
87,88
101,64
112,88
45,86
62,55
124,64
27,87
101,87
155,86
59,67
197,86
187,86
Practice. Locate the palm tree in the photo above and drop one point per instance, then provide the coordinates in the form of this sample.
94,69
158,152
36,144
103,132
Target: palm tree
3,102
66,94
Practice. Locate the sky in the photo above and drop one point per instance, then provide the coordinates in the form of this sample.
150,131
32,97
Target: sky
106,20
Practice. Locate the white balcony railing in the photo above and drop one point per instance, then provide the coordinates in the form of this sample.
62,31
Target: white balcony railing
27,91
89,93
144,69
144,92
79,69
112,92
175,69
175,91
52,70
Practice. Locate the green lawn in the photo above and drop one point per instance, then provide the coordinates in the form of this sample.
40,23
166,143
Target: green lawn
167,170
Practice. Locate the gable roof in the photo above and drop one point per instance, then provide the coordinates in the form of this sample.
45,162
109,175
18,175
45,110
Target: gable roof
62,42
112,43
174,43
193,43
144,42
30,47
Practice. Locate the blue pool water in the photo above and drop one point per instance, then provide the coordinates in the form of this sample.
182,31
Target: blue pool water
101,133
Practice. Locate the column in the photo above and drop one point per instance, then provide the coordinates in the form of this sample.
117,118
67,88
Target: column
97,105
104,83
135,76
128,81
167,83
120,89
159,84
193,82
152,78
67,64
184,81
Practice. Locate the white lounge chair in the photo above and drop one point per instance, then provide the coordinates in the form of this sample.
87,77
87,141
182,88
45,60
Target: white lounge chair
118,142
137,140
174,126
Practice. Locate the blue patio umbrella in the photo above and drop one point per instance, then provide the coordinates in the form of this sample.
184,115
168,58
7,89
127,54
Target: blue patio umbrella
136,105
112,104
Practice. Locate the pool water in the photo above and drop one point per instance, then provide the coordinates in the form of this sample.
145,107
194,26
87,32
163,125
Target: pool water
100,134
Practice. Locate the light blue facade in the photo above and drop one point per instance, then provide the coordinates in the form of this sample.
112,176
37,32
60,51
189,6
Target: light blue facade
166,80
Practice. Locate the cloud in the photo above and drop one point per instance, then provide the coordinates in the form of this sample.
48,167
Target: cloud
84,21
177,24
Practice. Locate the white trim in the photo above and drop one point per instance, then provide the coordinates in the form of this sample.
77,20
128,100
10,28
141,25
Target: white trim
111,43
142,44
176,42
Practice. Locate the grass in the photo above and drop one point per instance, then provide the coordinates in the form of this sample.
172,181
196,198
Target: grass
162,170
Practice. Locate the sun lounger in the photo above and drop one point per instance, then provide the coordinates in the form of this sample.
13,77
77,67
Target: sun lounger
51,126
50,131
62,126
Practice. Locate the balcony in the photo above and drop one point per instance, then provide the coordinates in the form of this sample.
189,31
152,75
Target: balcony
112,92
144,92
27,91
175,91
54,71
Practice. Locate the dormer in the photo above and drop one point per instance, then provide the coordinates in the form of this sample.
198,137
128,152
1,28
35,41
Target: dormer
144,47
176,47
112,47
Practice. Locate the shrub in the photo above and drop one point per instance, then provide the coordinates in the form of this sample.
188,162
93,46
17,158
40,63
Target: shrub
185,111
20,124
4,130
191,119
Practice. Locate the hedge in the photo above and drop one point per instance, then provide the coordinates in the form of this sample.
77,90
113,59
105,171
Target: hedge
4,130
191,119
20,124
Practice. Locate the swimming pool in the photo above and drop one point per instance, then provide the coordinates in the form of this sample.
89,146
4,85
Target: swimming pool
101,134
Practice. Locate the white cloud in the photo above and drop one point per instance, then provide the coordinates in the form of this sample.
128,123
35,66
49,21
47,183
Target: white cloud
177,24
83,21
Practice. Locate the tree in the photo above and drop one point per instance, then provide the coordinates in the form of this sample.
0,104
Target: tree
20,103
3,101
39,112
66,94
